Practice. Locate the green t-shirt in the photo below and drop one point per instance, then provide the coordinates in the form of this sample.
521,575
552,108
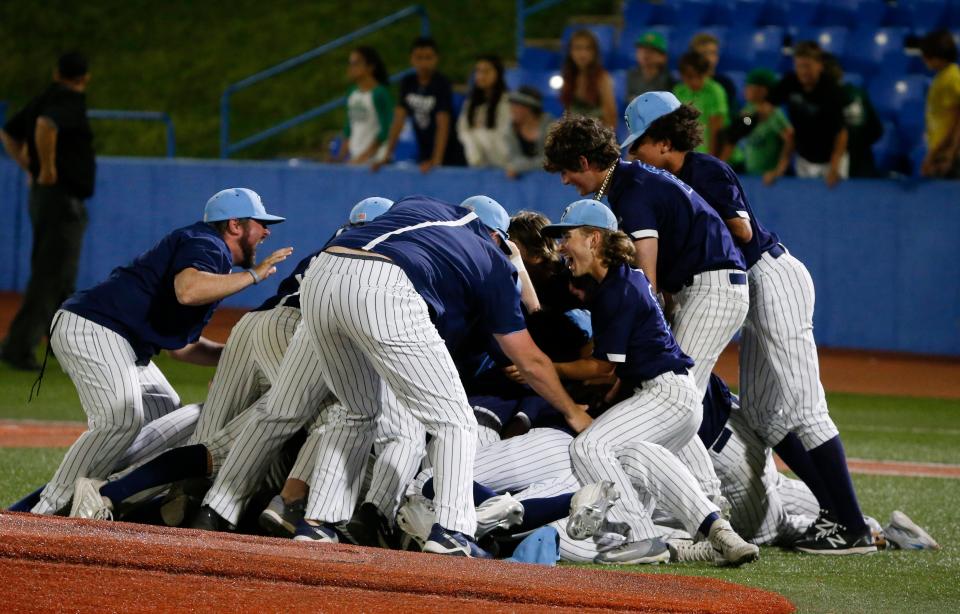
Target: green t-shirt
710,100
763,145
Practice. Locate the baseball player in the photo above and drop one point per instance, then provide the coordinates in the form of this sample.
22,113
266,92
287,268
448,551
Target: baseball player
682,246
104,337
383,303
783,400
630,443
247,369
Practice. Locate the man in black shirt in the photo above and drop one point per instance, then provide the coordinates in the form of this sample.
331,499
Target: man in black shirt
426,97
815,104
51,140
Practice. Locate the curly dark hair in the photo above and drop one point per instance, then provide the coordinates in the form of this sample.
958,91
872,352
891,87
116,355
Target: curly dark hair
525,227
695,61
681,127
574,136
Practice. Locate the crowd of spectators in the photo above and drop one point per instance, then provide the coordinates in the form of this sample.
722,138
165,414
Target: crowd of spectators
808,121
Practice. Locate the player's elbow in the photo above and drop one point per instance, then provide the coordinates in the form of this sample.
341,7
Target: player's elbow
186,289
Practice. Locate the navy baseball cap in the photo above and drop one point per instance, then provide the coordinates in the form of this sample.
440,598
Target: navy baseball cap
238,203
490,212
644,110
585,212
369,209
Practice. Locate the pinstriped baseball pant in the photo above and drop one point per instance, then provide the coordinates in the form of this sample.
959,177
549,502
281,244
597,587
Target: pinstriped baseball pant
117,396
247,368
705,317
780,389
665,412
370,326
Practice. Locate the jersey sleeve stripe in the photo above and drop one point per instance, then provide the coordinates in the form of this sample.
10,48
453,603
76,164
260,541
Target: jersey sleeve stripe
645,234
617,357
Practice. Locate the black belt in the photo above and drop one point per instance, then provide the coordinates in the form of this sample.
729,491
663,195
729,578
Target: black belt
777,250
738,279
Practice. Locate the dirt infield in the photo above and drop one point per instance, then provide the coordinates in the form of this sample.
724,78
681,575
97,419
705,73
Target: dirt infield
85,565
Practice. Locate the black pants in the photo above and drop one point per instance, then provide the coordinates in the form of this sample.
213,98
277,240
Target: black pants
59,220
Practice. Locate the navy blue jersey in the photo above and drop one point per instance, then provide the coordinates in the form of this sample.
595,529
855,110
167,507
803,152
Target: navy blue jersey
717,403
629,328
715,181
692,238
138,300
452,262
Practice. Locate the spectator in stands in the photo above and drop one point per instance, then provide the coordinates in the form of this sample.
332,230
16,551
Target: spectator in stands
51,140
484,125
651,74
706,95
943,106
369,108
864,127
587,86
708,46
426,97
530,123
763,131
815,106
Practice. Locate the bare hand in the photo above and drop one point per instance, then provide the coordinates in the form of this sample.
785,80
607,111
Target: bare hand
426,166
267,267
770,177
47,176
511,174
580,420
513,373
376,166
833,177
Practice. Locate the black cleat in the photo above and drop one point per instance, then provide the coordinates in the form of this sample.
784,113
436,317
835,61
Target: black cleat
827,536
208,520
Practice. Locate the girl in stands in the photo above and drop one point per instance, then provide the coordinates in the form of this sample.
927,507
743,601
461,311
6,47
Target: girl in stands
485,123
369,108
587,87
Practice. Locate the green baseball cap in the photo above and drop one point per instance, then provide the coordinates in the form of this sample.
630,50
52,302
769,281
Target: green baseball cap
652,40
762,76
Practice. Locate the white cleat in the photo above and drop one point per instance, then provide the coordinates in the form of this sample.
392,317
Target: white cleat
500,512
416,518
588,509
88,502
731,548
904,534
644,552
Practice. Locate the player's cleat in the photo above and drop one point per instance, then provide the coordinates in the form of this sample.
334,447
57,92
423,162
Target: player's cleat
307,532
827,536
416,518
454,543
208,520
371,528
904,534
182,500
280,518
611,535
687,551
588,509
731,548
500,512
644,552
88,502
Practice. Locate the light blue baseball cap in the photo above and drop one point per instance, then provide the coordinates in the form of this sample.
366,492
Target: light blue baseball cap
238,203
585,212
490,212
369,209
644,110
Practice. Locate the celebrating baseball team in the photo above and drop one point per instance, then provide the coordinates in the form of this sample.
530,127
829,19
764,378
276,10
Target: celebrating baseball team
444,377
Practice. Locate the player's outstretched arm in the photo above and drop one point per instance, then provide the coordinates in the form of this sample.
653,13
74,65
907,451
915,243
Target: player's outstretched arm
537,370
204,352
194,287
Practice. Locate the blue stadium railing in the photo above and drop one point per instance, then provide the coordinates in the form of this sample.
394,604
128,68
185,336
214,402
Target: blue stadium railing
149,116
523,11
227,148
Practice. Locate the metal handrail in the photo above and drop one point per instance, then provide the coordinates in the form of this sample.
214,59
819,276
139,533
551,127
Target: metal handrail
227,148
150,116
524,11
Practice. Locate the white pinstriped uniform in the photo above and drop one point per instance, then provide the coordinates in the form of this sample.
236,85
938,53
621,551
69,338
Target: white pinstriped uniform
666,413
370,325
780,389
118,397
247,367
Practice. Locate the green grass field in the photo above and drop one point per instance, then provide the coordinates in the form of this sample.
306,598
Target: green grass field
882,428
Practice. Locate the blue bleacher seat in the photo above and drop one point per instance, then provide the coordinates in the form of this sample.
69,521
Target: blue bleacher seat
888,155
832,39
620,89
538,58
606,39
739,79
852,13
636,13
680,38
853,78
736,13
792,13
919,15
752,48
680,12
901,100
872,50
406,149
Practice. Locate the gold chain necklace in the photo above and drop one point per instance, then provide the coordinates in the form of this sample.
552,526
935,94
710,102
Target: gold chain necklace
606,182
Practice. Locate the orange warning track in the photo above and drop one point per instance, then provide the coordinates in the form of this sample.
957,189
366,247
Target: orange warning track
48,563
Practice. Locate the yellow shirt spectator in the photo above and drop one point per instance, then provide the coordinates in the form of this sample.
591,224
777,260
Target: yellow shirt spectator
943,103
